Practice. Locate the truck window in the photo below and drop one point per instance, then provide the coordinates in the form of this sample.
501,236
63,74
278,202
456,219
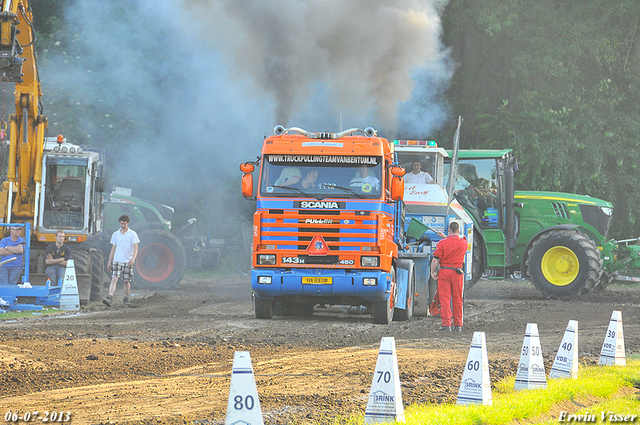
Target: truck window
150,216
477,186
321,176
65,179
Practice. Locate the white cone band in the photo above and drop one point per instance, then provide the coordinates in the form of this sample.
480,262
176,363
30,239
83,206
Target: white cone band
612,352
69,297
385,397
531,373
475,387
565,364
244,405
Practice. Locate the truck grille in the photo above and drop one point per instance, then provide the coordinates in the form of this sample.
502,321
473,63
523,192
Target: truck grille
293,230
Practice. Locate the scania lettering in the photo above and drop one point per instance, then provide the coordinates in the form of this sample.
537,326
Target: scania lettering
329,205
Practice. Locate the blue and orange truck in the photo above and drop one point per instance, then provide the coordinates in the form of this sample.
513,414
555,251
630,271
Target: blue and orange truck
336,225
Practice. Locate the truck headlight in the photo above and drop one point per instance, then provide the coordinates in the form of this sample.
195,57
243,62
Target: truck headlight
370,281
264,280
267,259
369,261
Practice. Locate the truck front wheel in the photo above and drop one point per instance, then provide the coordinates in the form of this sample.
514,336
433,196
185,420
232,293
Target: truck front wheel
382,311
563,263
401,314
263,308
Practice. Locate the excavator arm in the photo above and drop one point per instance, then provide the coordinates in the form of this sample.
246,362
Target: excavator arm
19,193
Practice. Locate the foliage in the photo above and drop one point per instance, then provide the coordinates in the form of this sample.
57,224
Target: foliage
559,82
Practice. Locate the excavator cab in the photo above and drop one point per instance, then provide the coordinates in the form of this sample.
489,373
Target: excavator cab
71,197
66,185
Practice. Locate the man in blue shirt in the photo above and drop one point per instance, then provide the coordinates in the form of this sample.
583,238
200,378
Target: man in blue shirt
11,246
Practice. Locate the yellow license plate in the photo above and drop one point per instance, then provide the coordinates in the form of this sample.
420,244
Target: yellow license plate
316,281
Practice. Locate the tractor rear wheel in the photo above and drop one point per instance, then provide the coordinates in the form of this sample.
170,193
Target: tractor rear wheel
605,280
564,263
161,260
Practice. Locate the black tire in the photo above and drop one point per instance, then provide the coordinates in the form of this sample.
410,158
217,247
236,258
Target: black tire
90,280
302,309
282,308
477,268
382,311
97,274
263,308
161,260
433,287
564,263
401,314
605,280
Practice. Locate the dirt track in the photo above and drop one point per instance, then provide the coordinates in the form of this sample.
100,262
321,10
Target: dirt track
168,360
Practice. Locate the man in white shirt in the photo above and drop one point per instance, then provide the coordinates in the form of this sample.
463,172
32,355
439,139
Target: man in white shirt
124,250
417,175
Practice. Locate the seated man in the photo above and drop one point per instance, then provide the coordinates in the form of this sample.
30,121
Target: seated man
11,246
364,181
309,181
417,175
288,177
56,256
460,184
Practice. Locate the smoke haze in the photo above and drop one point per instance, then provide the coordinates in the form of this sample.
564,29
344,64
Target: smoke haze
181,92
364,53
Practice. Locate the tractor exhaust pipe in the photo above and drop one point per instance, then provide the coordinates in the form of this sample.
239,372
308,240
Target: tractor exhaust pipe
510,215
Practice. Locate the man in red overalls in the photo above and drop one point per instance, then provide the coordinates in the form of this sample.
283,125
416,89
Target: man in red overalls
446,267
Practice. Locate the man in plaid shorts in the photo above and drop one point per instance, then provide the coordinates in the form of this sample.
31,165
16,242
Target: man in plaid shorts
124,249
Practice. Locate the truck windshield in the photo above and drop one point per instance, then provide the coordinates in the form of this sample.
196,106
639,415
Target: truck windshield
65,183
321,176
419,168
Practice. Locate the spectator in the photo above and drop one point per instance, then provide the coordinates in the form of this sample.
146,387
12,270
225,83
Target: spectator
55,257
446,267
417,175
124,250
11,246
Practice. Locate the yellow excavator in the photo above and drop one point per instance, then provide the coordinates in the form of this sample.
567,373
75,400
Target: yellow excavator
46,182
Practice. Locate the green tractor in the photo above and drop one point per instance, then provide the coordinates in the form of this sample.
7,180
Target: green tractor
556,239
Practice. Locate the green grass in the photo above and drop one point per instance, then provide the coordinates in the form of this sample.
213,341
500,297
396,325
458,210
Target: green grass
600,388
600,385
47,311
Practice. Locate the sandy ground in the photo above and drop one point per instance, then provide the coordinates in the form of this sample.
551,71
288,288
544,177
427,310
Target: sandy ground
168,359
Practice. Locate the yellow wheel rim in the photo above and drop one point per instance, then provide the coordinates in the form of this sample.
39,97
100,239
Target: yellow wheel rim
560,266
